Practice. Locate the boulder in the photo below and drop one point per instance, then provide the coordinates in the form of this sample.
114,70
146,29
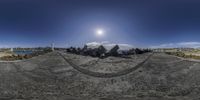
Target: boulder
113,51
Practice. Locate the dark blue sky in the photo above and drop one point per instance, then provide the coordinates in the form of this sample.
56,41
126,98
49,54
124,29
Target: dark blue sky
142,23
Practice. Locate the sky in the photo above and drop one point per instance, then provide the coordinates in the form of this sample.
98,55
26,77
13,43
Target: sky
141,23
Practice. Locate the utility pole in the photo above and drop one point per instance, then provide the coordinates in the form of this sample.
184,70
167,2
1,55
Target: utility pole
11,49
52,46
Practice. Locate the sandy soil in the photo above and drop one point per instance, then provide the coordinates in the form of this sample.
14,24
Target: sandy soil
2,54
50,77
197,53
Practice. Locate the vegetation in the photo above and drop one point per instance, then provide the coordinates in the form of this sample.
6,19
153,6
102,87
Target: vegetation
25,56
181,54
15,57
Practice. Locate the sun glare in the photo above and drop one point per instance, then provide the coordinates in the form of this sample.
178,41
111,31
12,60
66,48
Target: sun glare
99,32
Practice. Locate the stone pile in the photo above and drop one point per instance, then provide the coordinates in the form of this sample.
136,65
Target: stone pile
102,52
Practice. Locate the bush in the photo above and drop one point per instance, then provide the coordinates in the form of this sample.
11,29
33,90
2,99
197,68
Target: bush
181,54
26,56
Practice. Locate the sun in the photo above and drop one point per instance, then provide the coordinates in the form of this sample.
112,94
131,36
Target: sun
99,32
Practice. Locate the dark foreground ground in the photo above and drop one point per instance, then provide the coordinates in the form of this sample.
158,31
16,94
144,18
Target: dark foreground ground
51,77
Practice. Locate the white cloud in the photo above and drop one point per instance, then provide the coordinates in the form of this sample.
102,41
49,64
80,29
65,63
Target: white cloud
179,45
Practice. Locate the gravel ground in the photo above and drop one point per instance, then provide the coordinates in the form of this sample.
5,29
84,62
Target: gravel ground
50,77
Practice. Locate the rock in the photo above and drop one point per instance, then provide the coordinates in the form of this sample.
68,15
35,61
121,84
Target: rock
113,51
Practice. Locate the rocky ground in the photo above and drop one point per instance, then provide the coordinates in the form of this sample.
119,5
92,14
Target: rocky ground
54,77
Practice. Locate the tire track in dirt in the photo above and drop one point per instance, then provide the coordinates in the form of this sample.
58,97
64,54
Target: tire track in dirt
104,75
